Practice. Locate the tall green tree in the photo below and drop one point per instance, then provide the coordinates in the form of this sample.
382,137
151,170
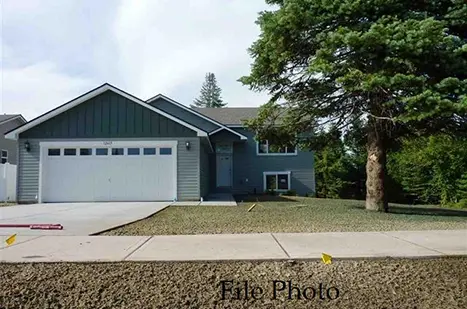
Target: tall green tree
210,95
399,64
433,169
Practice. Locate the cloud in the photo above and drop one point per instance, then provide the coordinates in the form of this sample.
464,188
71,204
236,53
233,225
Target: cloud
168,46
54,50
36,89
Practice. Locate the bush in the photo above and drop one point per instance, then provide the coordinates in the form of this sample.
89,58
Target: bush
290,193
462,204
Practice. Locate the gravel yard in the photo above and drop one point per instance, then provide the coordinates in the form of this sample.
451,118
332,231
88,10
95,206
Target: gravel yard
300,215
384,283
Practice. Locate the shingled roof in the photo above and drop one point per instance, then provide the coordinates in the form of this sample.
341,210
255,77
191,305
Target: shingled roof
229,115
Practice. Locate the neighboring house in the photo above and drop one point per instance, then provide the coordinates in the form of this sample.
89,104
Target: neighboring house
8,147
108,145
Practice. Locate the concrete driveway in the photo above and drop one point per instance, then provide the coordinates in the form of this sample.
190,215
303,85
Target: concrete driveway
76,218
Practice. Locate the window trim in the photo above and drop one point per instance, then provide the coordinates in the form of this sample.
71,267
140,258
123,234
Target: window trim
4,157
275,153
289,180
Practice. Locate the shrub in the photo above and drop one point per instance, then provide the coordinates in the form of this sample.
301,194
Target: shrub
290,193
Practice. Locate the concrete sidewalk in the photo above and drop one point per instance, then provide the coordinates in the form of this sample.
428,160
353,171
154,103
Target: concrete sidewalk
276,246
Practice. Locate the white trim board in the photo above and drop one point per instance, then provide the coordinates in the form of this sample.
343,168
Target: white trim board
161,96
14,134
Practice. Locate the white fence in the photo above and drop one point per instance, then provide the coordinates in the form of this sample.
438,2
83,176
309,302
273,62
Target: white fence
7,182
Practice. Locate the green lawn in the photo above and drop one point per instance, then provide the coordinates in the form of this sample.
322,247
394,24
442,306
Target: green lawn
301,215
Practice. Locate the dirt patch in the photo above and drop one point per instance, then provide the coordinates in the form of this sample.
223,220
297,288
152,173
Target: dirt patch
385,283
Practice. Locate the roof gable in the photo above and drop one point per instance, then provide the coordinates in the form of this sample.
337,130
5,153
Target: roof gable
89,95
194,112
105,116
173,109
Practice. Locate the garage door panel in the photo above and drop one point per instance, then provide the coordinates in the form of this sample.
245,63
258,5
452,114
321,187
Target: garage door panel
109,177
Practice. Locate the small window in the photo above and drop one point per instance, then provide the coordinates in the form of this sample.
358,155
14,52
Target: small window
4,156
102,151
85,152
267,148
133,151
54,152
276,181
149,151
70,152
117,151
283,182
165,151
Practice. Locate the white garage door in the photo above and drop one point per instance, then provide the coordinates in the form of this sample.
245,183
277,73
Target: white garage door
108,171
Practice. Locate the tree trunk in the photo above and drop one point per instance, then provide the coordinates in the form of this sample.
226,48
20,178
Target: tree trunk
376,168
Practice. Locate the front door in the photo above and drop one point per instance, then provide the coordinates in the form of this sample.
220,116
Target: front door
224,170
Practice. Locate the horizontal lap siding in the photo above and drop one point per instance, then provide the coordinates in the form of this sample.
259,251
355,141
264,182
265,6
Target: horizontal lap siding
248,165
188,170
27,188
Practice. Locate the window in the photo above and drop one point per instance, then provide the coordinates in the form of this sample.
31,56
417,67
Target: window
149,151
54,152
265,148
133,151
223,148
4,156
117,151
102,151
70,152
85,152
165,151
276,181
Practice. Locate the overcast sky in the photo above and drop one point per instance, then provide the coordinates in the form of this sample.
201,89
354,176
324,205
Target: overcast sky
55,50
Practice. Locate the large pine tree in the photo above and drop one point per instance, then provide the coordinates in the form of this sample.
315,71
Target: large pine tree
401,65
210,95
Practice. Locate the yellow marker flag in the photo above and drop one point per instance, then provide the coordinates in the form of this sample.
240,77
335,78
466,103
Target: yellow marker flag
10,240
326,258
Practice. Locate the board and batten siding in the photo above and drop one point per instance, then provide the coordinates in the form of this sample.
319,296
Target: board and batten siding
188,183
108,115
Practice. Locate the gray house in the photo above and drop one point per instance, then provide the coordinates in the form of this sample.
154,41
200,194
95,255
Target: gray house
108,145
9,148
